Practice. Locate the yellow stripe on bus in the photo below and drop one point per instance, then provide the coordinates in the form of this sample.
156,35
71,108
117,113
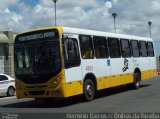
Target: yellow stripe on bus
76,87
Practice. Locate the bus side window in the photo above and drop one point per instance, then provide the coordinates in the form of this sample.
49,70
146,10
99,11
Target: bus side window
86,47
150,49
143,49
114,48
100,47
71,53
135,48
125,47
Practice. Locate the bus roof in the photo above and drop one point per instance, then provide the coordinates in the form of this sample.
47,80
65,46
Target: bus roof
70,30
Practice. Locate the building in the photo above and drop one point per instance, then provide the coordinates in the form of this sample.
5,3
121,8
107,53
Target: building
7,52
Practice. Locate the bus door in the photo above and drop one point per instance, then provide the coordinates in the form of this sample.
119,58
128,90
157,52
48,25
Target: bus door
71,58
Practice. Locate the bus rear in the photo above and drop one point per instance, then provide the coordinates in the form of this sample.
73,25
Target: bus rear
38,64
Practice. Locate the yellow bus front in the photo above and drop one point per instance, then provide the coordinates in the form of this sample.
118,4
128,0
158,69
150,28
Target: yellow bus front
38,64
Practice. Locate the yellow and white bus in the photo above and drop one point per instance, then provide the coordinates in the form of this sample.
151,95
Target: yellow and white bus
63,62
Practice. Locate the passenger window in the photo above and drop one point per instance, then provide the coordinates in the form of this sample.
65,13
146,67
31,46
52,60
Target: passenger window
100,47
86,47
126,51
150,49
114,48
143,49
3,78
71,52
135,48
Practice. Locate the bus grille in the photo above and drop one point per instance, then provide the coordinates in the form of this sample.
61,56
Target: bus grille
42,86
37,92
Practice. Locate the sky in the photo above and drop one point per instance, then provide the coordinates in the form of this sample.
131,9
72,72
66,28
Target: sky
132,16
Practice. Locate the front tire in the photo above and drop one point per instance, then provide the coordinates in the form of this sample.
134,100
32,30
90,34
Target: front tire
10,91
89,90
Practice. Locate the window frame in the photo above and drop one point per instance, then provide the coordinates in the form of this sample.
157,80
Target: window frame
152,49
65,52
129,47
90,49
115,48
143,50
132,50
100,48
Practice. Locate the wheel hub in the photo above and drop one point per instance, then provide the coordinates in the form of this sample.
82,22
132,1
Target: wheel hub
11,91
89,90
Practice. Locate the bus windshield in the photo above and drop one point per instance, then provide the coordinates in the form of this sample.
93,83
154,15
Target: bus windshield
37,57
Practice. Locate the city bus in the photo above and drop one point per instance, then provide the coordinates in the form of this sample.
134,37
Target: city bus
60,62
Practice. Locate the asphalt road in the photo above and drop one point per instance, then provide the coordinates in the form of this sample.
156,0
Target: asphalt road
119,99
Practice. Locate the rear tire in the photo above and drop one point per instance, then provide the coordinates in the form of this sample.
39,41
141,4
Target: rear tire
137,80
89,90
11,91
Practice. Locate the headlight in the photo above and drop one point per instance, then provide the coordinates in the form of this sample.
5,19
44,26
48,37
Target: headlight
55,82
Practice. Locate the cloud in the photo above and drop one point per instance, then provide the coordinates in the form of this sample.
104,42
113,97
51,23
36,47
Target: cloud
6,3
10,20
72,3
137,14
71,13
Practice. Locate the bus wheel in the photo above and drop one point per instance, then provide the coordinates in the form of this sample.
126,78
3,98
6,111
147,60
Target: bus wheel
137,80
89,90
10,91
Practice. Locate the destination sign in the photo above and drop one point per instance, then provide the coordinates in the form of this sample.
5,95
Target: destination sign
37,35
